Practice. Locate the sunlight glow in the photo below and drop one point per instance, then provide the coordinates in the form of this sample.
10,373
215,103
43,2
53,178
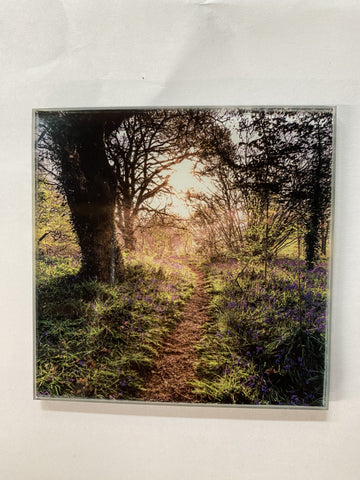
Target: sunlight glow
182,180
183,177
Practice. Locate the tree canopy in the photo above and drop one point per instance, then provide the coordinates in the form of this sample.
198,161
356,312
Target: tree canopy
268,173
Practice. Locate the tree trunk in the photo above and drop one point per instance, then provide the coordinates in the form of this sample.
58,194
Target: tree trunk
90,187
129,240
101,255
324,232
127,228
312,239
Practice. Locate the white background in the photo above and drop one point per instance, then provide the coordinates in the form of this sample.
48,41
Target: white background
77,53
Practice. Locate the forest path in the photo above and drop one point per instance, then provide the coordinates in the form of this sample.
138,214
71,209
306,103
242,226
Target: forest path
174,366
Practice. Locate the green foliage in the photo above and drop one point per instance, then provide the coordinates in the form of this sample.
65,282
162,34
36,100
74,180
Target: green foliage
264,238
265,342
97,340
54,232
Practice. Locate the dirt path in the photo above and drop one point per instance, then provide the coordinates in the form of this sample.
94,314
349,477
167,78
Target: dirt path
174,367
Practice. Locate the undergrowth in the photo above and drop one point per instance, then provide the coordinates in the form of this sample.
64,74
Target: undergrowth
265,342
97,340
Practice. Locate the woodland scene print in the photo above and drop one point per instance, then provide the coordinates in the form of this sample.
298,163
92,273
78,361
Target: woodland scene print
182,255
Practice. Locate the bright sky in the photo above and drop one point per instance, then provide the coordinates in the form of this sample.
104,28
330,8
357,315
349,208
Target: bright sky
183,180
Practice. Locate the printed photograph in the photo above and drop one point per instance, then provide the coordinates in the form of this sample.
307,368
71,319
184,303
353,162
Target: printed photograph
182,255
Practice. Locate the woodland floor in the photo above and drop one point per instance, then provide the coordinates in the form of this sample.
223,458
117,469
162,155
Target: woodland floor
174,366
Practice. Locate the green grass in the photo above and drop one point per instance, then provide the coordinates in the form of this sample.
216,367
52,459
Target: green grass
97,340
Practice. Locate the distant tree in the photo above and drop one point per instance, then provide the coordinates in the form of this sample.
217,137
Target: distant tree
142,151
217,216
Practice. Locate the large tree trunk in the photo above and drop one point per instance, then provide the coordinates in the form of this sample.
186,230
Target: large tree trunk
101,255
90,187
